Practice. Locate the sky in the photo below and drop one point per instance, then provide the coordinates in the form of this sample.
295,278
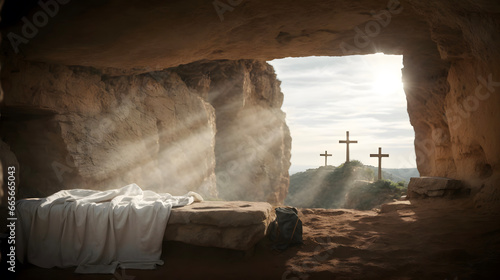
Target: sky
362,94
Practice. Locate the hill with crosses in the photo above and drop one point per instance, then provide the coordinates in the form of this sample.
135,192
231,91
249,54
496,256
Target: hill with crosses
350,185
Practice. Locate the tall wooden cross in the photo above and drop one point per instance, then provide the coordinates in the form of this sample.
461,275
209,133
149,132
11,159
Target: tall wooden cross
347,141
326,155
380,156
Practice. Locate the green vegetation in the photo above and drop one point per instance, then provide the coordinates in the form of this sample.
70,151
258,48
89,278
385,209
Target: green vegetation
369,196
349,185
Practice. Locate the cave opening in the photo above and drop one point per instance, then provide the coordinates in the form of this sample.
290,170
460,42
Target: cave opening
202,110
326,96
323,98
448,74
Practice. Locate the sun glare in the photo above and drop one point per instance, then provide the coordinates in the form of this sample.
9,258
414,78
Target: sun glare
386,82
386,77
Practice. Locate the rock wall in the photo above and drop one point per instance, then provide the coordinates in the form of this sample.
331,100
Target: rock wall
426,87
74,127
457,115
253,142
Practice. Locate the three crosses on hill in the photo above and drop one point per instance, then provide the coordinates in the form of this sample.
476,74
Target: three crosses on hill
347,142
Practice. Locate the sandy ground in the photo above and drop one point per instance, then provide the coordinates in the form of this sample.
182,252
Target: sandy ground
424,240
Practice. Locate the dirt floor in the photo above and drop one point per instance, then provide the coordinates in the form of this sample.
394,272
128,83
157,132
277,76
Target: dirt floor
424,240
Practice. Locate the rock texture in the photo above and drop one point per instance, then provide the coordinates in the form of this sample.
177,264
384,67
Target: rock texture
232,225
163,33
72,127
252,144
424,187
452,98
75,127
450,54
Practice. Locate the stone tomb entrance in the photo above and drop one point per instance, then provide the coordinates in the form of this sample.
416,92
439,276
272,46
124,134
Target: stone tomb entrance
215,82
162,93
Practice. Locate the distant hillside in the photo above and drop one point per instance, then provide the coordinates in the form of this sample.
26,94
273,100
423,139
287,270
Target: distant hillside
347,186
397,174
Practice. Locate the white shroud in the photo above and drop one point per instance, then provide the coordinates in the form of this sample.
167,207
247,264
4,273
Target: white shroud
96,230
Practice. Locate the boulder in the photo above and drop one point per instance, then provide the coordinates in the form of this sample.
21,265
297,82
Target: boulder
234,225
423,187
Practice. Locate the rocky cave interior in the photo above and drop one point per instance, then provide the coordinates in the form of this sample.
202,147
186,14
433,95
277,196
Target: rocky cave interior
177,95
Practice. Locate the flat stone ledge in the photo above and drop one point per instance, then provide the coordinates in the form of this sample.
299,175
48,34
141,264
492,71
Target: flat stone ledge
423,187
237,225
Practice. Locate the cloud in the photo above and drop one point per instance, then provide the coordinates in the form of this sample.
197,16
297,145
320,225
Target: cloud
326,96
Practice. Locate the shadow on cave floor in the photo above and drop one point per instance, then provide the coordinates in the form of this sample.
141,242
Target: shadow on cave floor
424,240
183,261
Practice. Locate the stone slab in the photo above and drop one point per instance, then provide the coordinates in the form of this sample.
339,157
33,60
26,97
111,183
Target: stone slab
423,187
237,225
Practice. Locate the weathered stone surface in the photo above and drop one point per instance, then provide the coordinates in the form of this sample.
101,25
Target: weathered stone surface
232,225
435,187
457,139
72,127
252,144
167,34
222,213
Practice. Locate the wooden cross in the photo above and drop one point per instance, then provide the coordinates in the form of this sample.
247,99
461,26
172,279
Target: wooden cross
326,155
347,142
380,156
